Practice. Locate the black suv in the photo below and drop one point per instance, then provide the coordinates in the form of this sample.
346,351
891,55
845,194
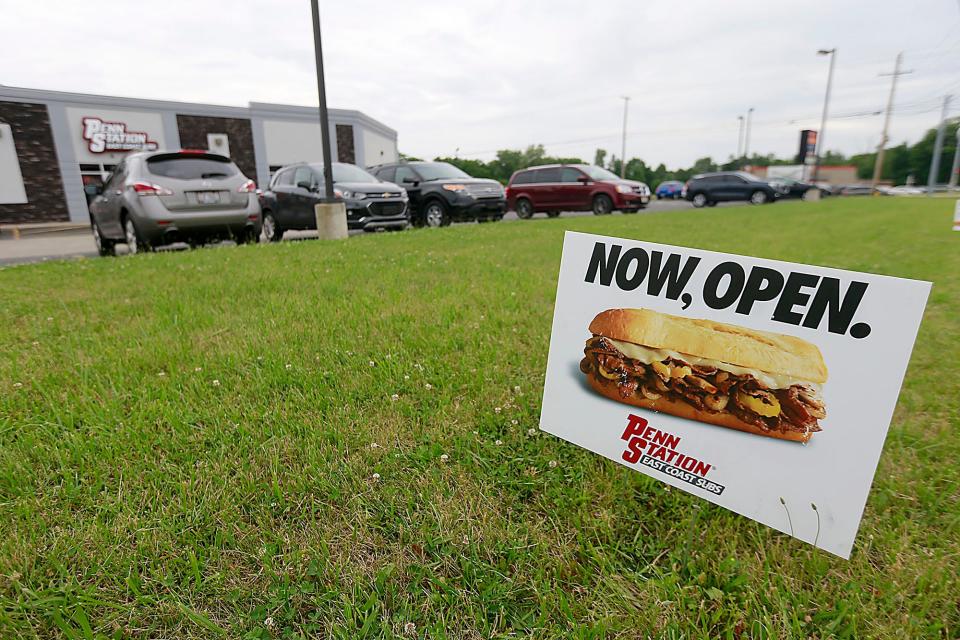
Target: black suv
440,193
707,189
294,190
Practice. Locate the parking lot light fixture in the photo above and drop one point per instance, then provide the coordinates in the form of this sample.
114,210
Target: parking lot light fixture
823,120
321,89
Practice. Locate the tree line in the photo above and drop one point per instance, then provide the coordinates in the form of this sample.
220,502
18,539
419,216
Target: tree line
902,164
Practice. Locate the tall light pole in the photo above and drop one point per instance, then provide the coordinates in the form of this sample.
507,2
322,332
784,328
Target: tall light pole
938,147
956,163
826,105
878,165
746,140
740,139
623,145
321,89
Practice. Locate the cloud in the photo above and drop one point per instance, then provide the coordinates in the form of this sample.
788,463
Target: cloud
492,75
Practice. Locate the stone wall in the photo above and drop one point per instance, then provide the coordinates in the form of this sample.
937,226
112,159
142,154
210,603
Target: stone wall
194,130
46,201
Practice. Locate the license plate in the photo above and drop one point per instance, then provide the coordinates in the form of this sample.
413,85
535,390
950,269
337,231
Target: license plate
208,197
644,199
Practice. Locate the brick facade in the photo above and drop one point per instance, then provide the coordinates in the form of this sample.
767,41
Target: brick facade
345,151
46,201
194,130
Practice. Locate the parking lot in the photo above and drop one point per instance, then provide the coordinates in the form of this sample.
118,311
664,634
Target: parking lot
79,243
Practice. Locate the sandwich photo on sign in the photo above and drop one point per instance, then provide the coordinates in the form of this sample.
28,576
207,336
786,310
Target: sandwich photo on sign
754,381
762,386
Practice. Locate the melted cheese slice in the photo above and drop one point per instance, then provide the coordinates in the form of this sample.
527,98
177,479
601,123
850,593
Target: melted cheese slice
648,355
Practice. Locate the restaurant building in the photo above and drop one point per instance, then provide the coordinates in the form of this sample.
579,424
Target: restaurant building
53,143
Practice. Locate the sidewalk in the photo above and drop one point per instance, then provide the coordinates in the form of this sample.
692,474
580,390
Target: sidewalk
47,246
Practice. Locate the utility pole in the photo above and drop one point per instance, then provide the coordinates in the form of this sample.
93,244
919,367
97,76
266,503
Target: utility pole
623,145
740,139
823,120
938,147
956,164
878,167
746,140
321,88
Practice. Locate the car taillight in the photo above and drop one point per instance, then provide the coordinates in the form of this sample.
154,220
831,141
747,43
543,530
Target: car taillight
150,189
247,187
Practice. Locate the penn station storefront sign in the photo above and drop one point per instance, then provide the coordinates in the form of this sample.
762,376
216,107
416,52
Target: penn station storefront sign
103,136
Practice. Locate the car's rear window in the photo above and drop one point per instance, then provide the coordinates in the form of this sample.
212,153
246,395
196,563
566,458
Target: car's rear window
192,167
523,177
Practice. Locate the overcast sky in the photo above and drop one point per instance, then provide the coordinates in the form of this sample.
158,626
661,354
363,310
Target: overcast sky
490,75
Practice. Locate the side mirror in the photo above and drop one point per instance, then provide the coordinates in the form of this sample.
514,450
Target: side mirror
583,179
304,184
410,181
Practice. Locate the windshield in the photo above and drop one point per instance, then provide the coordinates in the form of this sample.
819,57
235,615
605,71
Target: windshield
439,171
343,172
598,173
192,167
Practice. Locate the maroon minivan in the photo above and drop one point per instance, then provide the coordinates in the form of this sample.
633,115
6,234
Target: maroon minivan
554,188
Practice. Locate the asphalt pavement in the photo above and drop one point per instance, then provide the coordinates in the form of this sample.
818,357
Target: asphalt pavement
79,244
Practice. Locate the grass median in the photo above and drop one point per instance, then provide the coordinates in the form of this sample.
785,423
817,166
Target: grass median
340,440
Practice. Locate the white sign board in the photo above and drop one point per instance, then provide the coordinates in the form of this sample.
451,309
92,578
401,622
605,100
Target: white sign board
764,387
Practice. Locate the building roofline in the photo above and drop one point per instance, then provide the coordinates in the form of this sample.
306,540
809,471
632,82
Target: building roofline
253,109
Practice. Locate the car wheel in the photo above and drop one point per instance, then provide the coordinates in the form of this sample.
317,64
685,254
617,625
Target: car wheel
271,230
758,197
699,200
435,214
553,214
602,205
524,209
105,247
135,242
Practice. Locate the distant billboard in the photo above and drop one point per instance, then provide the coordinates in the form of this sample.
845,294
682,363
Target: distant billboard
808,146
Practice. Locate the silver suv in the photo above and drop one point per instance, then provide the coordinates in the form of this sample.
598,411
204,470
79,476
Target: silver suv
160,197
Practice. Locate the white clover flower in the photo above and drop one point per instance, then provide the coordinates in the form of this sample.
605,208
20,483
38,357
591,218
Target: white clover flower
498,442
389,356
35,343
428,386
216,383
268,622
198,369
406,377
514,422
395,397
444,458
531,431
376,477
552,464
161,374
516,388
288,366
410,628
17,385
49,318
374,445
259,358
497,410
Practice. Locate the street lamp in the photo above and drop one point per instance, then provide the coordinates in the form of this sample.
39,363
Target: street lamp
746,140
826,104
321,89
740,140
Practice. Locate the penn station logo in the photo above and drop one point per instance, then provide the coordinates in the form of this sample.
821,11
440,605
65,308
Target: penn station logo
107,137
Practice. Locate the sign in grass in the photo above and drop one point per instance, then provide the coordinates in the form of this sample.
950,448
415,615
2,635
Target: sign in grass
766,387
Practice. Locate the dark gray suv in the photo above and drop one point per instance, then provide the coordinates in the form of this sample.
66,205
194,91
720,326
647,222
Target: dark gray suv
160,197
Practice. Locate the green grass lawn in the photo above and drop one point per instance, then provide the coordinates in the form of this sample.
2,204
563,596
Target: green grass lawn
339,440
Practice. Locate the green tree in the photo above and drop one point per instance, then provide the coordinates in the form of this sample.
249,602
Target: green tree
599,156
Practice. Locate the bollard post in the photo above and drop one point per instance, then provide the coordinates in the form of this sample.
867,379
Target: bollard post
331,220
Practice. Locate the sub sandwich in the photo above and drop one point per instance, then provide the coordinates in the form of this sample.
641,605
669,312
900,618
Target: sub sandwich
721,374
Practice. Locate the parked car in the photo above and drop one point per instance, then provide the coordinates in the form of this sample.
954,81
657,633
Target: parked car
856,190
288,203
440,193
902,190
707,189
161,197
574,187
790,188
671,189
